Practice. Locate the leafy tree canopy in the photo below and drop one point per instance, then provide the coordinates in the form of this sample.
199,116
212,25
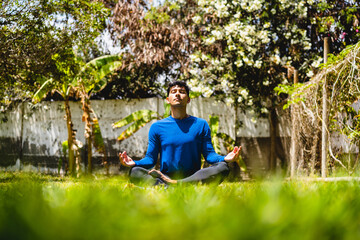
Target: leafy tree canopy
238,51
35,34
247,47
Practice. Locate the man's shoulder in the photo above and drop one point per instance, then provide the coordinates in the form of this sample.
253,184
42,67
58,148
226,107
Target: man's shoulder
161,122
191,118
164,120
198,120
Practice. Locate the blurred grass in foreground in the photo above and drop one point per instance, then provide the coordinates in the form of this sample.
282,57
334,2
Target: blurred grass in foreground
42,207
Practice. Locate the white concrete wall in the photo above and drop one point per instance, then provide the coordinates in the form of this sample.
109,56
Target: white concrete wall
43,126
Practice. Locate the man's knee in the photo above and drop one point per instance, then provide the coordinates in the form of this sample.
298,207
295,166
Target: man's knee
138,172
222,168
219,171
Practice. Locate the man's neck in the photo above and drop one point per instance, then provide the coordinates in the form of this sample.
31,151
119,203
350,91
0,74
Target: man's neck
179,113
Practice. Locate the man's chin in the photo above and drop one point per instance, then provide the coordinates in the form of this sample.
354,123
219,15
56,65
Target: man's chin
178,104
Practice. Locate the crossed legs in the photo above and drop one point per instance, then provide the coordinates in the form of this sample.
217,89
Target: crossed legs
213,174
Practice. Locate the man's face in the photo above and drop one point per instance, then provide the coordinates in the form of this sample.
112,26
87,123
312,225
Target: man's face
178,96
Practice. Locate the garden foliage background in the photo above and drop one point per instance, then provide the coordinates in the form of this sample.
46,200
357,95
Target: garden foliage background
237,52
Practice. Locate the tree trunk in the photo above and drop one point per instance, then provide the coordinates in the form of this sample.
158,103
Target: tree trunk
89,145
294,145
70,131
273,122
88,131
325,116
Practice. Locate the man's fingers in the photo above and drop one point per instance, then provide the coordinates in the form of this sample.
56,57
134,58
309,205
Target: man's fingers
235,149
123,157
237,152
233,155
125,160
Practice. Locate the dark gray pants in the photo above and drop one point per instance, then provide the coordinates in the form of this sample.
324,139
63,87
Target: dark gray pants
213,174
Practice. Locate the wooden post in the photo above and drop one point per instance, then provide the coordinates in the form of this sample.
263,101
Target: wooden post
70,131
21,133
293,148
272,123
324,135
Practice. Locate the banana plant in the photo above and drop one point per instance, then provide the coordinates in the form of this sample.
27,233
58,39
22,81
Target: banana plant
91,79
138,120
67,66
228,142
82,82
98,141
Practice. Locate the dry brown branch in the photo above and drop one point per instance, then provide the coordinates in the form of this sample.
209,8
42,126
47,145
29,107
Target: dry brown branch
343,85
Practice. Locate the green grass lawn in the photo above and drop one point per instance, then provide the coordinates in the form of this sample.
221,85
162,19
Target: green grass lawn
42,207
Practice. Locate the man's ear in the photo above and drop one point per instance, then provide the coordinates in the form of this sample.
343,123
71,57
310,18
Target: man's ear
188,100
167,100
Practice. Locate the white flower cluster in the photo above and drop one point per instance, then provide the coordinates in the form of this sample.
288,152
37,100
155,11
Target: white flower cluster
246,34
316,63
196,19
309,73
252,5
275,59
202,3
244,94
221,9
217,34
264,110
301,9
284,4
197,85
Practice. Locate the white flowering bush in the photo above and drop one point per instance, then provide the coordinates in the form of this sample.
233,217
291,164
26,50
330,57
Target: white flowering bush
226,47
246,47
250,45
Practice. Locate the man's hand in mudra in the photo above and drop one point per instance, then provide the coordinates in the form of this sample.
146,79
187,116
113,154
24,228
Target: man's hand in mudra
126,160
233,155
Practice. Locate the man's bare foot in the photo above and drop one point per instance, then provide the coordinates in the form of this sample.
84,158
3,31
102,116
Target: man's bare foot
158,174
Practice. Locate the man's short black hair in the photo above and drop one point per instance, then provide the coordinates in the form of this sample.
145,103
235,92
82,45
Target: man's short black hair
180,84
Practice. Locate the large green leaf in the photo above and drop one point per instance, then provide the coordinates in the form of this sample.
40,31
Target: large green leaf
43,90
98,140
93,73
228,142
167,109
214,127
146,115
65,148
242,164
134,128
139,119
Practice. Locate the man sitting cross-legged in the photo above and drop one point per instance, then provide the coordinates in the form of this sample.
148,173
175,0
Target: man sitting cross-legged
180,139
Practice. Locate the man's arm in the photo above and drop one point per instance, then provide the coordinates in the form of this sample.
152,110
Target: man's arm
150,158
211,156
207,147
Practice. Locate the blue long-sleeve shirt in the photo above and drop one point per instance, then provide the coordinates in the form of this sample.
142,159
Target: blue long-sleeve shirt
180,144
